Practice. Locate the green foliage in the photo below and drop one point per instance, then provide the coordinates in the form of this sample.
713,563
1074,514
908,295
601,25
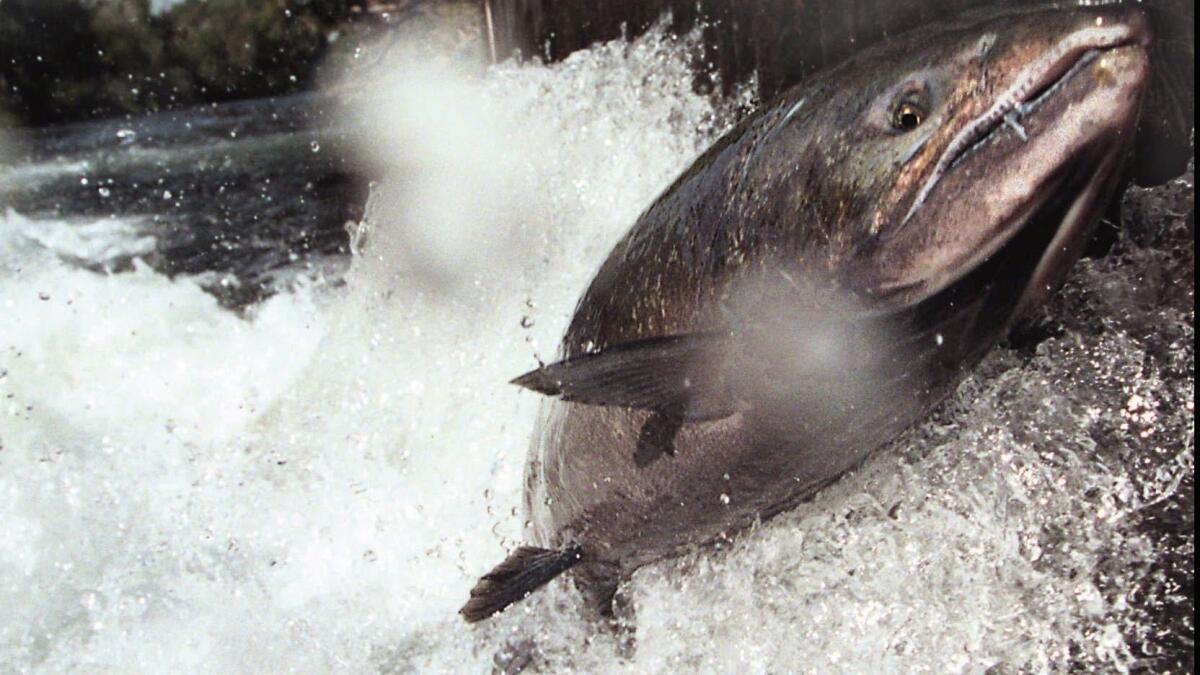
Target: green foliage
62,60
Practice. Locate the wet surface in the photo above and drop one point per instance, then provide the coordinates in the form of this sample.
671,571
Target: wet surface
239,191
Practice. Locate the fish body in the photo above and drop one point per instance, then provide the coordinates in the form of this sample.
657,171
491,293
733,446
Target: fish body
816,281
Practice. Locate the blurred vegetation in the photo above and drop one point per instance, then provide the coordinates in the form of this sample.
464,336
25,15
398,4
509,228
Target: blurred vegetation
65,60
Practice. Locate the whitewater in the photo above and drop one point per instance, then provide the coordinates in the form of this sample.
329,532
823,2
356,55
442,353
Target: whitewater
313,484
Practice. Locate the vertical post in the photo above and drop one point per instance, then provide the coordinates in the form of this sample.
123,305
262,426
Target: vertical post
490,28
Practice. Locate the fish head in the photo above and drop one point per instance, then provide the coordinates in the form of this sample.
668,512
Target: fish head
986,149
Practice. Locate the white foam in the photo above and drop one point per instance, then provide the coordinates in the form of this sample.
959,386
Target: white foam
39,172
316,488
95,241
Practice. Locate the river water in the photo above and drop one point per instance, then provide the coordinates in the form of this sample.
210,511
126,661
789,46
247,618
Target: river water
241,191
227,444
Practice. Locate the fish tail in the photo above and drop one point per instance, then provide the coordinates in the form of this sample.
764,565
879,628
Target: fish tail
527,569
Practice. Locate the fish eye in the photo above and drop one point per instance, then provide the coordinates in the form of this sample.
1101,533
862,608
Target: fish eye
910,112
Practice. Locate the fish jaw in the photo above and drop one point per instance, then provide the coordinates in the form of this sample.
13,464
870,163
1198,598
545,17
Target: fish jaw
1071,112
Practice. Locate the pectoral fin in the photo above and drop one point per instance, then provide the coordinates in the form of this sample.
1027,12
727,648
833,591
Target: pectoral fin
680,375
657,438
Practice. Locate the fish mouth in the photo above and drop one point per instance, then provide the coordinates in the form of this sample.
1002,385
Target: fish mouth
1040,81
1025,181
967,316
1007,114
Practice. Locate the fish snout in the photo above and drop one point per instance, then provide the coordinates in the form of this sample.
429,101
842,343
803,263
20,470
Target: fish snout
1127,20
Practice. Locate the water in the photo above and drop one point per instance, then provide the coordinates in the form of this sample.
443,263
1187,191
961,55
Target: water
239,191
313,481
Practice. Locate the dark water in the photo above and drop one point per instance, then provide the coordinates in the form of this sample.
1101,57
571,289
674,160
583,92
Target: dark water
244,190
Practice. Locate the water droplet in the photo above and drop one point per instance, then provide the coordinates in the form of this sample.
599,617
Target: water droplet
43,296
526,322
316,147
104,192
369,556
724,499
167,194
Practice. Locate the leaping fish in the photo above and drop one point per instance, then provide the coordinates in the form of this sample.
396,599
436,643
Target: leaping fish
816,281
